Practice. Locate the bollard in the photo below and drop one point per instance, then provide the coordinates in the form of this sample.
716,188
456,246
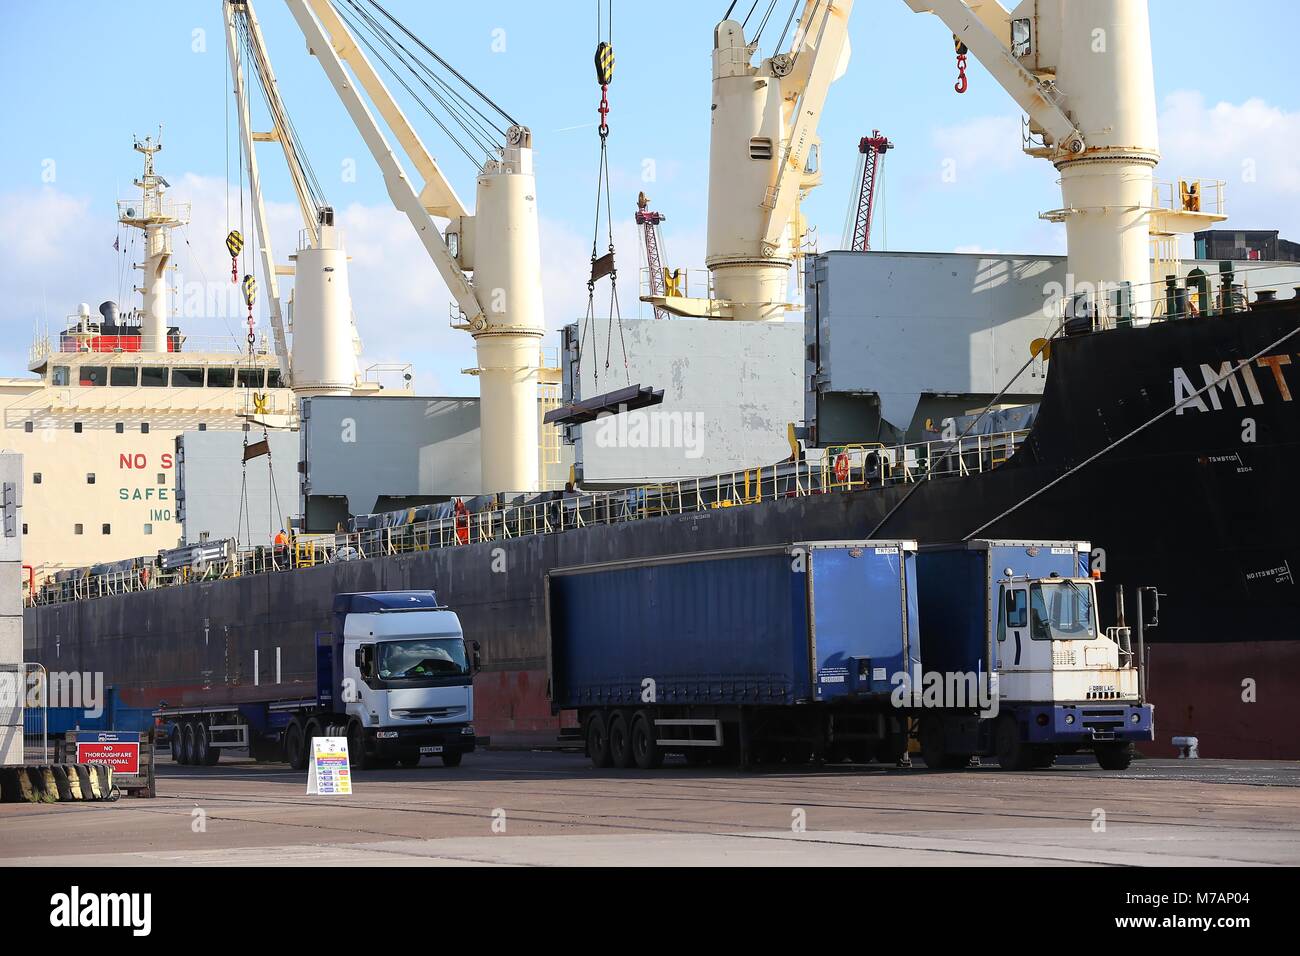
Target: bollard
1186,747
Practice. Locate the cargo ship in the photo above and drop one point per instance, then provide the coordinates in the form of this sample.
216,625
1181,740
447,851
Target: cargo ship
1186,505
1166,434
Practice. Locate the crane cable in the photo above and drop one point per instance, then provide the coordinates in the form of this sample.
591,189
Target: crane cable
478,128
603,265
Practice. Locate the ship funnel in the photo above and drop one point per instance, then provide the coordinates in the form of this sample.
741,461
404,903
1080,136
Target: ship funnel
109,311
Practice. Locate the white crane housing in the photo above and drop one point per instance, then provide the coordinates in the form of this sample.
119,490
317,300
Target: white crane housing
502,307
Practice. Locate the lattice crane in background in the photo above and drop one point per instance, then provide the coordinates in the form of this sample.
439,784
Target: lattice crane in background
649,222
872,150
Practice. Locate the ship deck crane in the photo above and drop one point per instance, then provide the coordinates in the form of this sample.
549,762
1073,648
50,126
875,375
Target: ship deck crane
761,157
499,244
1076,67
1047,55
872,149
322,360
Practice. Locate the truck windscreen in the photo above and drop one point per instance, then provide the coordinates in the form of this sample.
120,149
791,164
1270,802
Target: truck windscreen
1061,612
422,657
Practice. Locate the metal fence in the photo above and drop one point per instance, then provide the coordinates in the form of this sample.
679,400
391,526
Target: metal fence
23,714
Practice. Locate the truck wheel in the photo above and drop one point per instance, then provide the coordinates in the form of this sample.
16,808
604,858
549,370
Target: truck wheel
1013,753
452,758
598,741
313,730
645,746
1115,756
933,750
175,740
620,741
1043,758
295,748
357,755
891,749
187,745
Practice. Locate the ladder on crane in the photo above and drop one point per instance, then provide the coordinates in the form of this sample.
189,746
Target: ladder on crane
872,151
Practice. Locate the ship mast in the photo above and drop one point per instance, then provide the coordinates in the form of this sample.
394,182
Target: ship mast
156,217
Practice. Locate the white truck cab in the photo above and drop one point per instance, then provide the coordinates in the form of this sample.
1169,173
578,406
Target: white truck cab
1051,647
404,676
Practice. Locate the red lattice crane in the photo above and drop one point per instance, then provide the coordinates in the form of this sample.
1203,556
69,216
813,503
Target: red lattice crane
873,150
649,223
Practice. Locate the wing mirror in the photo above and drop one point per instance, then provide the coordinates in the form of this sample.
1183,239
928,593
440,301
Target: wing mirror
364,658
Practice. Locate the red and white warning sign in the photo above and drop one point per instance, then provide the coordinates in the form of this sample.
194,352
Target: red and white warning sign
121,751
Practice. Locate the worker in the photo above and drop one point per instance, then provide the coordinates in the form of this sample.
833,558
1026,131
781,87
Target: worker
281,545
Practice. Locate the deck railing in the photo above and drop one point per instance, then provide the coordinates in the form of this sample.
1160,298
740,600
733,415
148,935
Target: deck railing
843,469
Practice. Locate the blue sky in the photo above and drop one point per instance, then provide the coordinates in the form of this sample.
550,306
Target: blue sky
84,76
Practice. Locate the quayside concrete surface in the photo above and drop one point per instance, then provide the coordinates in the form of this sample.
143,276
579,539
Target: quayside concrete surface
553,809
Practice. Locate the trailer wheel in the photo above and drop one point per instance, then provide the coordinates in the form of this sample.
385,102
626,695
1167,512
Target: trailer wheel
620,740
214,753
295,748
187,744
645,745
933,750
1115,756
175,740
598,741
452,758
201,742
1013,753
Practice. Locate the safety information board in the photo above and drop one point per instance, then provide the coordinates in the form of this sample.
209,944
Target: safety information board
329,771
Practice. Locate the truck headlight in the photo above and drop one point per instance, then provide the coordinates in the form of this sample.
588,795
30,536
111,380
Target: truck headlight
467,729
1136,718
1069,718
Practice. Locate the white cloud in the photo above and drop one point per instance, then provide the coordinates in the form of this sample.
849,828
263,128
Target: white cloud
63,255
979,146
1252,145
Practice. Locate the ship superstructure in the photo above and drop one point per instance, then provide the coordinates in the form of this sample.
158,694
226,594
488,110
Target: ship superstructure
97,426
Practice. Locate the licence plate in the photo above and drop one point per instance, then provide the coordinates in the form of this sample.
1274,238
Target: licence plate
430,750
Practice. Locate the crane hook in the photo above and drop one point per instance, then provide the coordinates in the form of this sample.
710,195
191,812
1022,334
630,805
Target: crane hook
962,84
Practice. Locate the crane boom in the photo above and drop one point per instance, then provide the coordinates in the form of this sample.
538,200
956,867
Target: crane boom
500,244
1036,97
438,197
873,149
255,181
815,62
649,223
399,187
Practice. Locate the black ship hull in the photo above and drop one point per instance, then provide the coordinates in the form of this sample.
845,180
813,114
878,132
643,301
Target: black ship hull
1197,503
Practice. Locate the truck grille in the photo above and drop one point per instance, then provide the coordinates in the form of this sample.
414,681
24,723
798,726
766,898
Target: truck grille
438,713
1103,721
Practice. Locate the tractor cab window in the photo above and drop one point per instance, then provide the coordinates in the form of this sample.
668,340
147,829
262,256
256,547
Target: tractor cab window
1015,608
1061,611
